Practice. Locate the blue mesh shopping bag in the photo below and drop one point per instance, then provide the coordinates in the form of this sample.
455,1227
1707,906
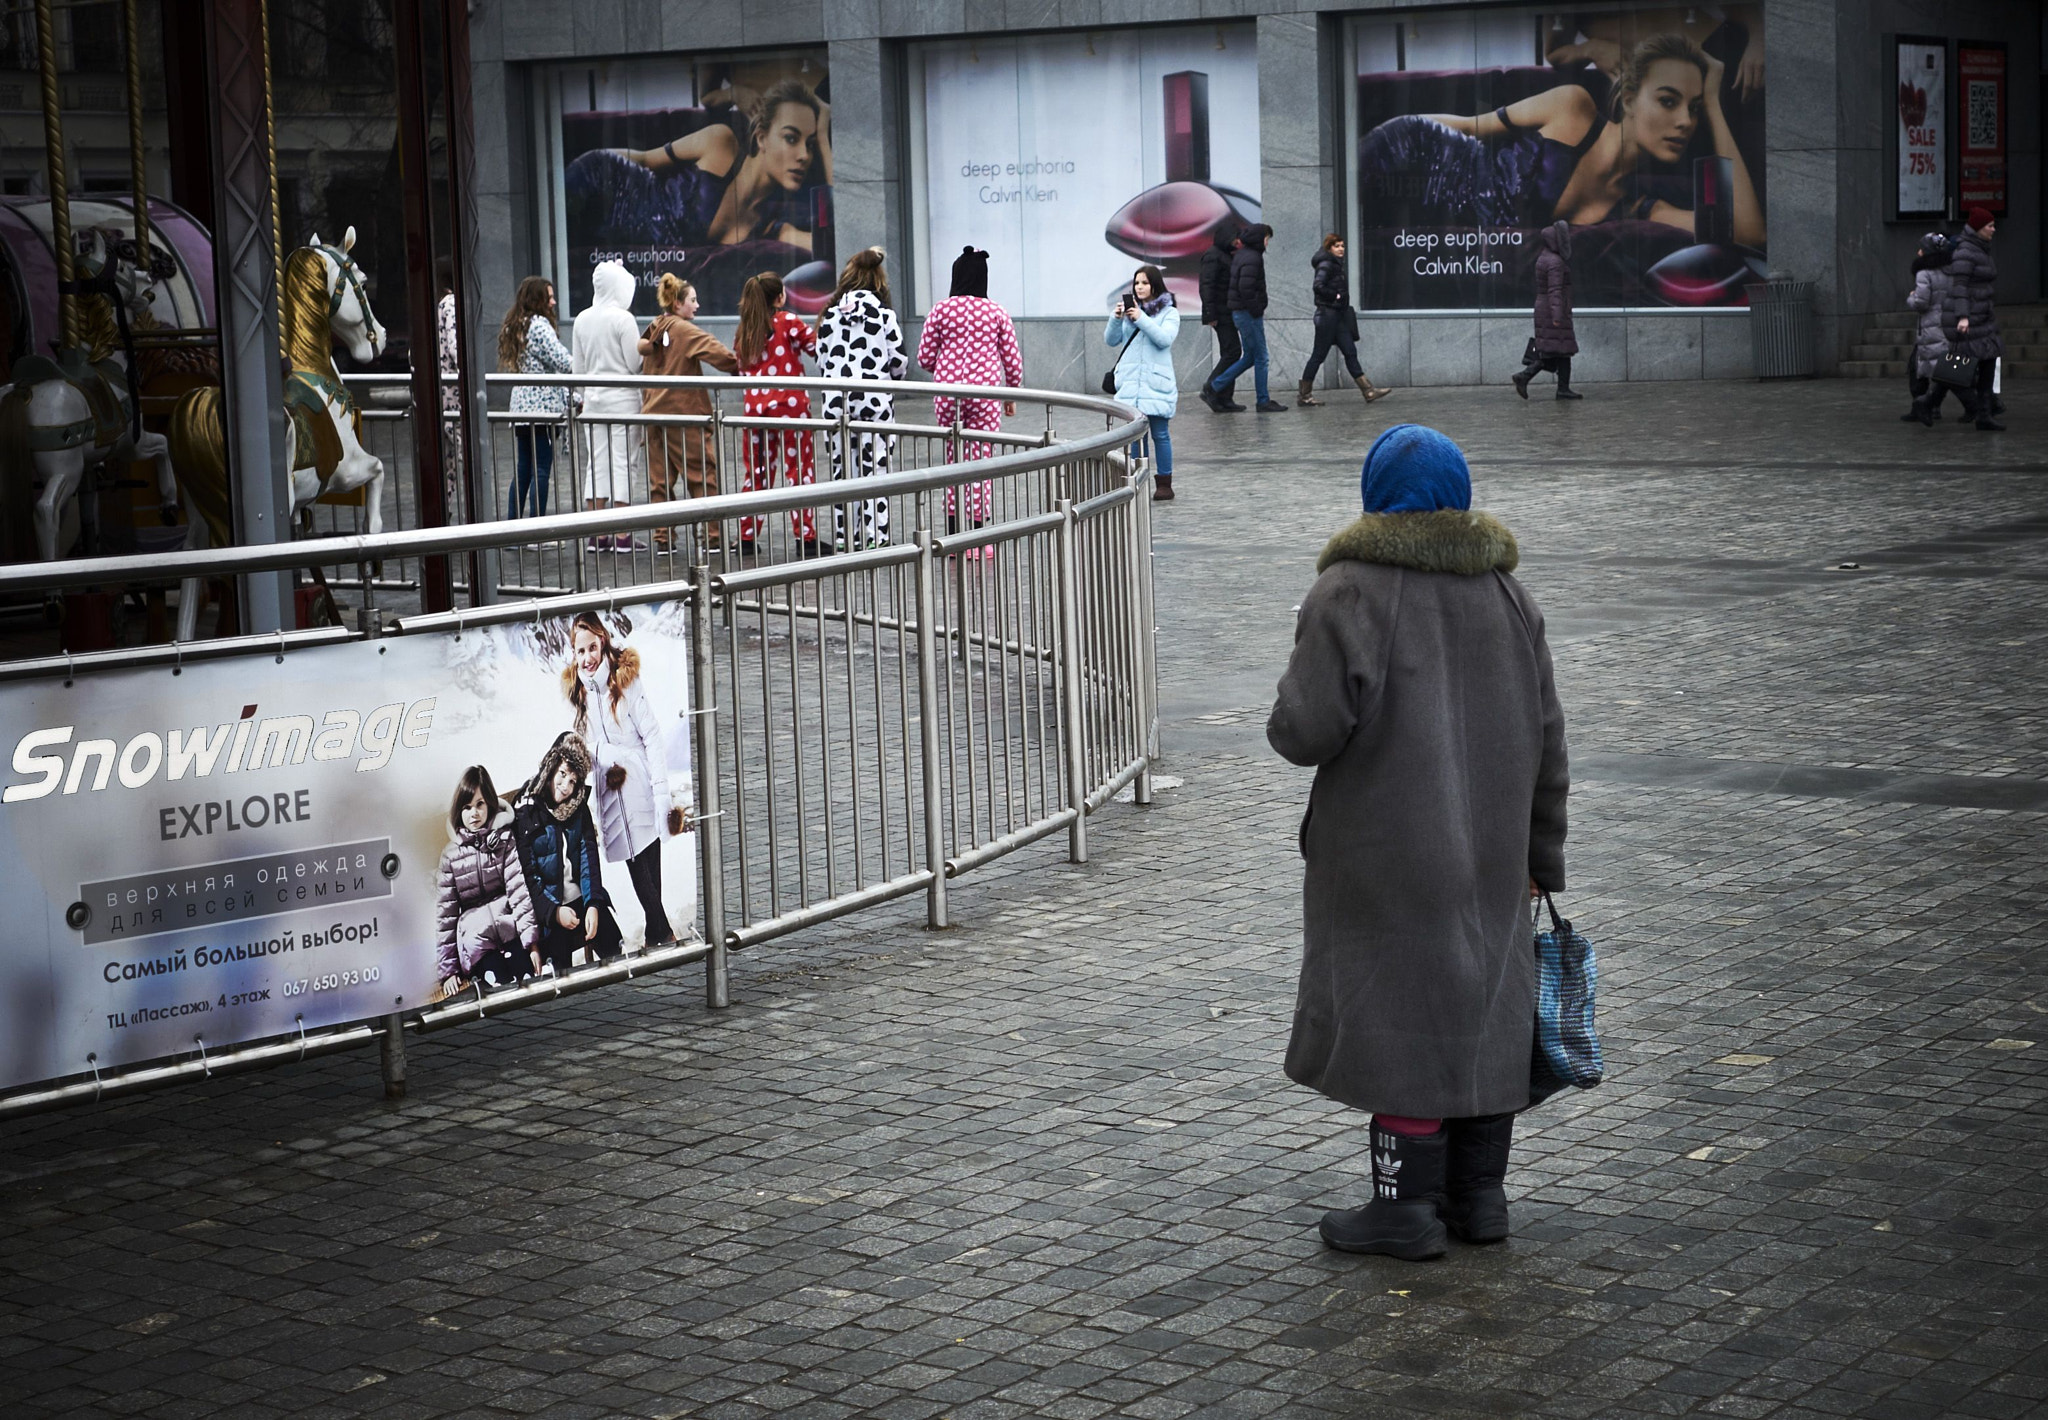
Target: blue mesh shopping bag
1566,1050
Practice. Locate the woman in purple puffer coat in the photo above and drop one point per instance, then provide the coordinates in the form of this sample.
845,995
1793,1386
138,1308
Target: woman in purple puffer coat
487,926
1555,342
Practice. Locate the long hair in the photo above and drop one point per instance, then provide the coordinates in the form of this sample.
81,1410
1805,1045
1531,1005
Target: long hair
475,780
1158,279
761,117
572,679
1628,81
671,291
529,301
757,316
862,272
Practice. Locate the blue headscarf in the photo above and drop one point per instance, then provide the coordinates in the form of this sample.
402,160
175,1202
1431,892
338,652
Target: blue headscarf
1412,469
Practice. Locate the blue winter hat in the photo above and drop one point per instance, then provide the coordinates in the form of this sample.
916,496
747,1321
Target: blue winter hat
1412,469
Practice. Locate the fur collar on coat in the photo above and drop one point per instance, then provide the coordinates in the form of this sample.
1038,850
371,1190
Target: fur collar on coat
1447,540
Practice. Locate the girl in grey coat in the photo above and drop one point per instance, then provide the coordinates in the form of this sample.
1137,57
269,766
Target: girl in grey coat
1420,690
1929,297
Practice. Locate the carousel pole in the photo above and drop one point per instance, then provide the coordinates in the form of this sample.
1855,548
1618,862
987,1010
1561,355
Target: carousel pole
138,168
472,432
416,193
60,194
245,249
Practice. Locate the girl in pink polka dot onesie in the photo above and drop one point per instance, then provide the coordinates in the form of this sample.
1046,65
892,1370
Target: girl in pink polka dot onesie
771,341
968,340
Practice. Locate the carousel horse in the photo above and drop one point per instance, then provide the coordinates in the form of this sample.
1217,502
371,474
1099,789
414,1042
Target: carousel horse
321,300
75,414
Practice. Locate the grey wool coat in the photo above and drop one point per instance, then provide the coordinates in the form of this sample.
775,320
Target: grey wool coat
1420,690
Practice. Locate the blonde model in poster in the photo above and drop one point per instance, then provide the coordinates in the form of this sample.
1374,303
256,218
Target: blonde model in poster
617,719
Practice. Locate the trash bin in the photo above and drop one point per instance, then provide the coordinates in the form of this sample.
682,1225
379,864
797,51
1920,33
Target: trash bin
1781,329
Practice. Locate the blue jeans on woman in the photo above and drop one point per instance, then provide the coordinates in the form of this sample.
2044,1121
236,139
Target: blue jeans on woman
535,449
1162,446
1251,332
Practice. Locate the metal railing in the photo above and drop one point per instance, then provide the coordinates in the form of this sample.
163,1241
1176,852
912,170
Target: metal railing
957,661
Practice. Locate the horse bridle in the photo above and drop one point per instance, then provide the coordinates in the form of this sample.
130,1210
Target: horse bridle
354,280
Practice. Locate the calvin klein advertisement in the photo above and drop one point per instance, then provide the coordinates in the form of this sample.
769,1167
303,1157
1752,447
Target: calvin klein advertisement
712,169
238,850
1642,126
1072,159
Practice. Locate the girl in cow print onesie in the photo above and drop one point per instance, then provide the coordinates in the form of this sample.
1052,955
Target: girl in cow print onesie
859,339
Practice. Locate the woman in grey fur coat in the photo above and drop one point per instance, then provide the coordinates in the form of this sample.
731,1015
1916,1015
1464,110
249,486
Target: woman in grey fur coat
1420,690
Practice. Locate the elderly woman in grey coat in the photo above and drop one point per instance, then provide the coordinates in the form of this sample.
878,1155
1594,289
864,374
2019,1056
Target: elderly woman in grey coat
1420,690
1972,323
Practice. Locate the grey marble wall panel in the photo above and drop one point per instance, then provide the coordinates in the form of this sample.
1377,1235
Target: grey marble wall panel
599,27
688,25
1663,347
860,134
937,17
1031,14
1443,350
1502,339
1056,356
853,19
536,31
782,21
1292,201
1383,350
1802,108
1603,349
1802,219
1725,348
1288,341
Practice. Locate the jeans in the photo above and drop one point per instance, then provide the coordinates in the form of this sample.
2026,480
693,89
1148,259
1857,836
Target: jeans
1251,331
1162,445
535,448
1332,329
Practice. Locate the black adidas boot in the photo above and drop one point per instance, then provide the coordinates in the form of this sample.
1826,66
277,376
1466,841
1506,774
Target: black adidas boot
1475,1165
1407,1185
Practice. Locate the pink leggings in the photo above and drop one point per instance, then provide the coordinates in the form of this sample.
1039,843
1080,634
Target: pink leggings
1402,1124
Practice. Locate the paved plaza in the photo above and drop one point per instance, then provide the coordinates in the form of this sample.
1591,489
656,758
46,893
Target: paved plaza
1045,1163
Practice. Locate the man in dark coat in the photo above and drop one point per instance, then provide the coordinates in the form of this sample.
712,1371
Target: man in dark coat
1246,299
1420,689
1215,288
1973,324
1555,341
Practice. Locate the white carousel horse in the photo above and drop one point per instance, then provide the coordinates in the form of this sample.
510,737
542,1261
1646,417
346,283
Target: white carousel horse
73,414
321,300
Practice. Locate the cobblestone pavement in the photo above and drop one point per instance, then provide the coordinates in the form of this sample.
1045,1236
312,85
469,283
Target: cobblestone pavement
1046,1163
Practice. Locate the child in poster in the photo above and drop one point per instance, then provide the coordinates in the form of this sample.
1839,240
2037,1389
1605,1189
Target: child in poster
617,720
559,850
487,926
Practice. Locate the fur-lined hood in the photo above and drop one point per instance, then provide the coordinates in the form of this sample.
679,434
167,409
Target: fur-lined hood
568,749
501,822
623,676
1447,540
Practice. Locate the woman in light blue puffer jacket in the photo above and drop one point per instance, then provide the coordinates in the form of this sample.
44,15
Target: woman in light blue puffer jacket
1146,324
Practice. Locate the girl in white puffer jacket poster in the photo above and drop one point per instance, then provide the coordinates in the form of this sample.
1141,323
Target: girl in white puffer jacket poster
635,803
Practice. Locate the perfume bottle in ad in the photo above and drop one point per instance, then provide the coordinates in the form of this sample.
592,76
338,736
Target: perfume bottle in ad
1713,271
1172,224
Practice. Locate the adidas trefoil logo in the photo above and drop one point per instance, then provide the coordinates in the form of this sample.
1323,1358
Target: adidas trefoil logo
1386,1164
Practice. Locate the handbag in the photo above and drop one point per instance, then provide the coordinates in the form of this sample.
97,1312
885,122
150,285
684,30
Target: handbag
1955,371
1566,1051
1109,380
1350,323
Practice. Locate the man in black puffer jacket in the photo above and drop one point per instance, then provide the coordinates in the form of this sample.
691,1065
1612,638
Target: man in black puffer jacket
1215,287
1246,299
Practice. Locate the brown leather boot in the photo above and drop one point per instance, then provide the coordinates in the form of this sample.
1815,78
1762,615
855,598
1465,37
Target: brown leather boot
1370,390
1305,398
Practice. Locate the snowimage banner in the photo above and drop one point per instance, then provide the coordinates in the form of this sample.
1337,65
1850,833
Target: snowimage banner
240,849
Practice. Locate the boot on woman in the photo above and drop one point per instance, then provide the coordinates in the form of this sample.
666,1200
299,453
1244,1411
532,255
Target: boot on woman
1407,1185
1305,398
1370,390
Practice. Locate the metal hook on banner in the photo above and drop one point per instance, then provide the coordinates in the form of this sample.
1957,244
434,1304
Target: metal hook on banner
68,673
93,1060
280,645
200,1041
301,1022
177,658
461,615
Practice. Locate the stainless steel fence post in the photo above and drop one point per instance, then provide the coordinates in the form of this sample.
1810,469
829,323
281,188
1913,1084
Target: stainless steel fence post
710,842
928,728
1147,689
391,1057
483,499
1071,672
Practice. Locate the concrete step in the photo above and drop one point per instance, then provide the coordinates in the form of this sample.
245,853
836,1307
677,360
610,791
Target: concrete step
1880,352
1879,369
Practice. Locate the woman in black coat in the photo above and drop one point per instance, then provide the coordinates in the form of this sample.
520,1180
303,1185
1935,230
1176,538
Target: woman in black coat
1973,324
1555,342
1336,324
1420,690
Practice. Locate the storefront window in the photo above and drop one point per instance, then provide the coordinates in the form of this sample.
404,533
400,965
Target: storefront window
1641,126
1071,158
713,168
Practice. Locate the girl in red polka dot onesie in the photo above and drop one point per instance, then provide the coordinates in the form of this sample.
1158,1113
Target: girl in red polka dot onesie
968,340
771,341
